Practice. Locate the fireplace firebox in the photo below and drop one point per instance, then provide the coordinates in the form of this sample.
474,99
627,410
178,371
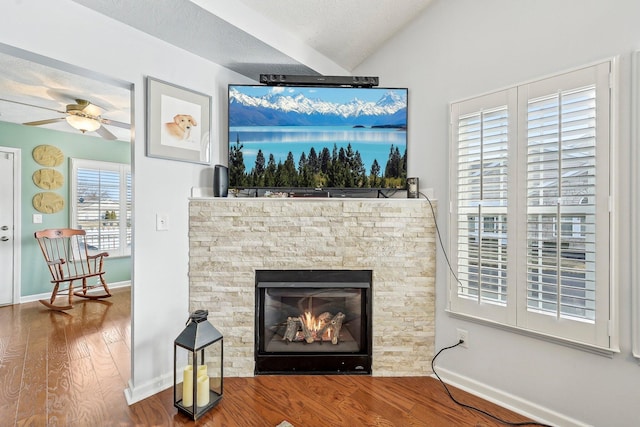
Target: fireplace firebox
313,322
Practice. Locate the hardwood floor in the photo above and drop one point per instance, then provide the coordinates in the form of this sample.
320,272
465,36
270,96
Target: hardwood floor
70,369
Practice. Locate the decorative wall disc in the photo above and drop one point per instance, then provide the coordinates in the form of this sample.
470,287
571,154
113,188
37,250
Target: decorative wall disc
48,179
47,155
48,202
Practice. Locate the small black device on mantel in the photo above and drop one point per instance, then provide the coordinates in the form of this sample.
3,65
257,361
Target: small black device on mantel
220,181
413,190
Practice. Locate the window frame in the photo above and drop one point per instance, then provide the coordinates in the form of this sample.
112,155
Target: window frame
124,203
514,315
635,200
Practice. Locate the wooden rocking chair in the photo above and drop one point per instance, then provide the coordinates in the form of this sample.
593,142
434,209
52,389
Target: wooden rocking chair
67,256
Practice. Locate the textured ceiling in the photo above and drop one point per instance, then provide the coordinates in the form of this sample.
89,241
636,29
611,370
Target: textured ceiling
269,36
185,24
346,31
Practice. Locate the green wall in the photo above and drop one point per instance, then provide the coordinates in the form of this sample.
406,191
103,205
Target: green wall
35,275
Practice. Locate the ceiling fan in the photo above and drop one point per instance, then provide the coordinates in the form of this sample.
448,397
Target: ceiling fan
83,115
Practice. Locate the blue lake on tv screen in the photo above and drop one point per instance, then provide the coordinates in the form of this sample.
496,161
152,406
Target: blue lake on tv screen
371,143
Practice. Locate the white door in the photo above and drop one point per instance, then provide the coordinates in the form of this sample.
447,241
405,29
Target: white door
8,197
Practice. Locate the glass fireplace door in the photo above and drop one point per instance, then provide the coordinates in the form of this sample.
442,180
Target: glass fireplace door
315,319
313,324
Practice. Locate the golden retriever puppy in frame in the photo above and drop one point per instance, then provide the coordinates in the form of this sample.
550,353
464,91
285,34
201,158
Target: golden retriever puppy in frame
181,126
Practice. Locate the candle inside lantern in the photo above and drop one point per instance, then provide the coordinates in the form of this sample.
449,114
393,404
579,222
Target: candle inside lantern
203,390
187,386
202,370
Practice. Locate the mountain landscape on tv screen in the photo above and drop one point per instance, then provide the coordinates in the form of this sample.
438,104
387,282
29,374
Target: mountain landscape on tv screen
285,108
317,137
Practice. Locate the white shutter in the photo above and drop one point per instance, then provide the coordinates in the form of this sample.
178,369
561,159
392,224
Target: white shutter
481,156
482,203
565,129
561,177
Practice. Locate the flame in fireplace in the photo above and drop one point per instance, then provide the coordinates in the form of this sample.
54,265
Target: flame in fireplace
315,324
324,327
310,321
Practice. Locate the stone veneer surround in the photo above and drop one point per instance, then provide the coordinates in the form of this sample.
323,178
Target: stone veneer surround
231,238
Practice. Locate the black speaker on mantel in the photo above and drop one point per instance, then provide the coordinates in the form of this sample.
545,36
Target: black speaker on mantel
220,181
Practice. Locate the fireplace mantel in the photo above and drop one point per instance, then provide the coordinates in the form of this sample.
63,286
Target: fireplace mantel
231,238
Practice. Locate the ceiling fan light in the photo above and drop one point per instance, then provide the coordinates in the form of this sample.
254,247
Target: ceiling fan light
83,124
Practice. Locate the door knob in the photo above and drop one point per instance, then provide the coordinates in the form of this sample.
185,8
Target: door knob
4,228
4,238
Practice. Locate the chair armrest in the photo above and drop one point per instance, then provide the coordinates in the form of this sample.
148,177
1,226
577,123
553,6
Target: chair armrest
55,267
100,255
95,262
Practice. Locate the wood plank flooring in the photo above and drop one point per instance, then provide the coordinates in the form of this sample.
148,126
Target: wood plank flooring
70,369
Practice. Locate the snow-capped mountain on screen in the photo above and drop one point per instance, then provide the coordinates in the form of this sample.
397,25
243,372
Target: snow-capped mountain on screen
325,108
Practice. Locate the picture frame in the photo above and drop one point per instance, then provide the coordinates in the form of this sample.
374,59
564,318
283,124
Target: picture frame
635,205
178,123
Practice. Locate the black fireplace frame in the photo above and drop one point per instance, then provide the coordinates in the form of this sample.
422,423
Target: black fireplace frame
321,363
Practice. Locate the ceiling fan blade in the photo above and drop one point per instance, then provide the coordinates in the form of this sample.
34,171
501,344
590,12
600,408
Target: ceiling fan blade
103,132
31,105
43,122
115,123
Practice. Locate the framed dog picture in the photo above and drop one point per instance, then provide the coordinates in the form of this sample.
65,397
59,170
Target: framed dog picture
178,123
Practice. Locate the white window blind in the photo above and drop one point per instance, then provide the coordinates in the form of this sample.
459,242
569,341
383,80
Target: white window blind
530,199
482,205
101,205
561,177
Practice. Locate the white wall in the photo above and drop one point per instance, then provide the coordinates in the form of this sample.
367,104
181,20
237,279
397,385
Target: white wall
68,32
462,48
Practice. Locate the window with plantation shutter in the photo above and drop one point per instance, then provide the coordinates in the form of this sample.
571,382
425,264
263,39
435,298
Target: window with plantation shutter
530,199
101,205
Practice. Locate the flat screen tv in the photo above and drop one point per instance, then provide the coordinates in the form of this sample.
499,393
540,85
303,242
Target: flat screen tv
317,137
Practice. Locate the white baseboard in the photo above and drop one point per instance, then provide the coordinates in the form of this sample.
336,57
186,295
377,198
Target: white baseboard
506,400
37,297
136,394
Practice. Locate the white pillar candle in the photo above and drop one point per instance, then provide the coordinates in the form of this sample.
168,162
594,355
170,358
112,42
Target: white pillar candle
202,370
203,390
187,386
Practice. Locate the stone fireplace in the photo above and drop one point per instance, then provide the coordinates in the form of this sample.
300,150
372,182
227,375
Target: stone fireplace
233,238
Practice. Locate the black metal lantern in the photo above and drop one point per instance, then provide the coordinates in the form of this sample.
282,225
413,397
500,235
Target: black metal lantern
198,351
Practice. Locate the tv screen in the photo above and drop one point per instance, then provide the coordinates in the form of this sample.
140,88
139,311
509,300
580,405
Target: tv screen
317,137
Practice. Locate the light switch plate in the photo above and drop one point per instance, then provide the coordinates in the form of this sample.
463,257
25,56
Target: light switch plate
162,222
37,218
